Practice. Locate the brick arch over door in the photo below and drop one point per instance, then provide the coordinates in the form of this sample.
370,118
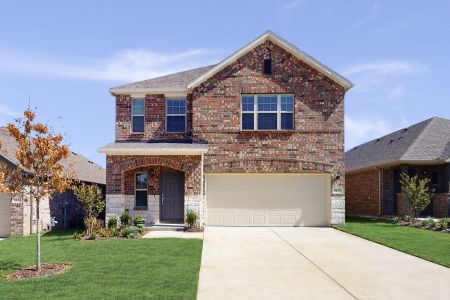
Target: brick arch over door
119,165
267,165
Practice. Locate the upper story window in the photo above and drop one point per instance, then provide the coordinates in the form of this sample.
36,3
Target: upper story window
138,115
176,115
267,112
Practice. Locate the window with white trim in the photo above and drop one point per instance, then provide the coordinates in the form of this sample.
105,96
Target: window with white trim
267,112
141,185
176,115
138,115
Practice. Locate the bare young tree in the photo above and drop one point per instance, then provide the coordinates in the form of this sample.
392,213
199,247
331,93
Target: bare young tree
39,173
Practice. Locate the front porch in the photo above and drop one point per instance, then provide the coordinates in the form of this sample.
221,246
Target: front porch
395,203
160,188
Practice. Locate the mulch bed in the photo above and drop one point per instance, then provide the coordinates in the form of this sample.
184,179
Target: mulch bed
193,229
46,270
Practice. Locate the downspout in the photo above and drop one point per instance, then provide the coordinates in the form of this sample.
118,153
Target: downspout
380,191
201,191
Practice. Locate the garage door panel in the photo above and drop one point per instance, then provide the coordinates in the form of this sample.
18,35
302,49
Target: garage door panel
5,215
267,200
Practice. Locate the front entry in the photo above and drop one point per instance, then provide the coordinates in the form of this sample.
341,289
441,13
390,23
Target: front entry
172,197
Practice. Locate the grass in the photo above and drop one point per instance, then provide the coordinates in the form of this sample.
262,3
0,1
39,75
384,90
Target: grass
429,245
106,269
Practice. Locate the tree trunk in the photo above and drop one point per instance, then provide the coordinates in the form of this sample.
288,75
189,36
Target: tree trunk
38,239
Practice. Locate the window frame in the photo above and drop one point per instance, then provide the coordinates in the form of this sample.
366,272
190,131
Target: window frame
279,112
140,189
175,115
137,115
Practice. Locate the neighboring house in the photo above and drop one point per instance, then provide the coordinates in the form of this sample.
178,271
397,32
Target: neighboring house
373,169
255,140
18,216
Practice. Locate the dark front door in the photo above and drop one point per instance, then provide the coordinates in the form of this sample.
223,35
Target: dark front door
172,197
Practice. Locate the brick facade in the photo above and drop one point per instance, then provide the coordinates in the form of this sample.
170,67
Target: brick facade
316,144
362,193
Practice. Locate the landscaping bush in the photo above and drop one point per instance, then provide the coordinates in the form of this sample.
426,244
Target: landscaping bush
191,218
131,232
395,220
428,223
77,235
417,192
445,223
103,232
112,222
139,221
407,218
125,219
91,225
115,231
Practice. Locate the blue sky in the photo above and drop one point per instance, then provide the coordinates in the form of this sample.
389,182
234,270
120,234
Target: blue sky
65,55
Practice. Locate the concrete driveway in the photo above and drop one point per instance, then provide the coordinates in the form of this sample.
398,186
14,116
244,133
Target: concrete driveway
311,263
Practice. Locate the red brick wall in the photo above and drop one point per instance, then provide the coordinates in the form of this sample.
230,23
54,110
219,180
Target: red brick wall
362,193
316,143
154,119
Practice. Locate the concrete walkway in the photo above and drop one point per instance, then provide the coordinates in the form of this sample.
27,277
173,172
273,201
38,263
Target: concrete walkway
311,263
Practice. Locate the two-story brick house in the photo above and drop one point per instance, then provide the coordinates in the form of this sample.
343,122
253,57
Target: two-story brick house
255,140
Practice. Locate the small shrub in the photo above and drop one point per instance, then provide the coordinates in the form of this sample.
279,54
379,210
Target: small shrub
93,235
103,232
91,225
428,223
115,231
191,218
77,235
139,221
407,218
112,222
125,219
445,223
131,232
395,220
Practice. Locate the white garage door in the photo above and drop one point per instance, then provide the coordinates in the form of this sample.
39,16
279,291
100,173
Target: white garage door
5,215
268,199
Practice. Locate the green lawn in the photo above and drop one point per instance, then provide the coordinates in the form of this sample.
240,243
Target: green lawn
429,245
108,269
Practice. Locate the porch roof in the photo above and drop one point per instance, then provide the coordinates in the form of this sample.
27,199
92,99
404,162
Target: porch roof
139,148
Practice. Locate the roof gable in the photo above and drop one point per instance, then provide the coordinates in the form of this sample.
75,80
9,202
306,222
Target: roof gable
427,141
270,36
181,82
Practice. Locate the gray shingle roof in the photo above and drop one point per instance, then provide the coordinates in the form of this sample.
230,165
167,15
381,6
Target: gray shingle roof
83,168
428,140
176,80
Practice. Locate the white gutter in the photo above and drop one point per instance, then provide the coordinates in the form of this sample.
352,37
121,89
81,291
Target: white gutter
160,151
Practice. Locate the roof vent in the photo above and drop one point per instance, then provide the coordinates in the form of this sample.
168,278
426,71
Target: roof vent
404,130
390,142
90,162
377,140
74,153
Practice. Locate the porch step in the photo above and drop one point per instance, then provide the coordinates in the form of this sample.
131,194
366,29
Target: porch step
166,227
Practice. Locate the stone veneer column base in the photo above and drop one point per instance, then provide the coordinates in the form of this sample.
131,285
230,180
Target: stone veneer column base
115,206
337,206
196,203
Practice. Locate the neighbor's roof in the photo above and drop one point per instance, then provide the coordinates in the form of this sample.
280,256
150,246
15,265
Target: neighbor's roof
426,142
83,168
141,148
189,79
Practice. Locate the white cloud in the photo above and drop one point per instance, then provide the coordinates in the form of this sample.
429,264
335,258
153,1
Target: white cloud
8,112
358,131
382,81
126,65
385,68
291,4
